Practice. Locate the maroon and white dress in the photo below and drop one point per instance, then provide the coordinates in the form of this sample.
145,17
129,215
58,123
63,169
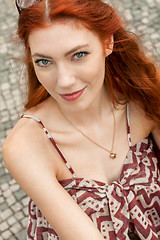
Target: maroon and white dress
126,209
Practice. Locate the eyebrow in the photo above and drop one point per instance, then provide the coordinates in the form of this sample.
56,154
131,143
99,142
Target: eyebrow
75,49
66,54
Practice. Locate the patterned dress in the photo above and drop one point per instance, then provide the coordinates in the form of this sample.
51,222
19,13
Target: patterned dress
126,209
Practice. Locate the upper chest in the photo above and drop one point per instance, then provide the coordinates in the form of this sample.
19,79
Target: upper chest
91,161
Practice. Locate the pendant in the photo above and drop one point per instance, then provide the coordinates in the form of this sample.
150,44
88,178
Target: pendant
113,155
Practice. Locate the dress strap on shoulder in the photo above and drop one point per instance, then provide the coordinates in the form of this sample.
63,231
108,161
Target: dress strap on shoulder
33,117
128,127
52,141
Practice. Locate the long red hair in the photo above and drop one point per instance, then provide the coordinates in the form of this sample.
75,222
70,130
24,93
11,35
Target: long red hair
130,75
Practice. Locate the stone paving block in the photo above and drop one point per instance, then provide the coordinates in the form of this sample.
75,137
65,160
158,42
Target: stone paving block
5,178
155,36
1,143
12,78
3,226
15,228
156,26
15,187
14,86
16,207
145,20
2,172
10,104
153,16
11,200
25,201
25,211
3,207
12,238
13,118
12,112
3,134
5,86
6,234
22,235
2,127
141,28
19,194
145,13
128,15
7,94
5,186
6,213
12,220
12,182
1,199
19,215
5,117
7,193
24,222
2,104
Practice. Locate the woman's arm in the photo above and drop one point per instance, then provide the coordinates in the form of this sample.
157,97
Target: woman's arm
36,174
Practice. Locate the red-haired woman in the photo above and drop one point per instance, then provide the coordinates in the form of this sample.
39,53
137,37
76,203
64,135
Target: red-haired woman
84,148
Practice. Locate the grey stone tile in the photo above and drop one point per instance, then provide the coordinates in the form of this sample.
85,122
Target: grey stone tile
6,234
5,178
12,238
3,206
20,194
22,235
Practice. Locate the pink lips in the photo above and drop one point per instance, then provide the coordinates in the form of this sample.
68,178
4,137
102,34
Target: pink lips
72,96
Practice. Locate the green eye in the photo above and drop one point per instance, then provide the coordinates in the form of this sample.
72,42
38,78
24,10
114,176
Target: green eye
42,62
80,55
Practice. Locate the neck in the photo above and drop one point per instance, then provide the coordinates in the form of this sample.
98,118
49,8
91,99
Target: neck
94,114
76,127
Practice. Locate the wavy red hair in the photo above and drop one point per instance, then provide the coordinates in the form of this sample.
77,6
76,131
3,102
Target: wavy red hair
130,75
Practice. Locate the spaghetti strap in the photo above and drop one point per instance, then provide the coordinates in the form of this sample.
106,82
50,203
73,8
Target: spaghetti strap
52,141
128,127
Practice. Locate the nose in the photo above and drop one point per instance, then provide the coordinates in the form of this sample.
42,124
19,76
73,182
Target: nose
65,76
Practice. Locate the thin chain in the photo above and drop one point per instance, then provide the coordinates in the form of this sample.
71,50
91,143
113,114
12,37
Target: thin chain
112,154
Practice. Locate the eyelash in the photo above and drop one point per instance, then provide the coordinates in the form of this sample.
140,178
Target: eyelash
39,62
84,54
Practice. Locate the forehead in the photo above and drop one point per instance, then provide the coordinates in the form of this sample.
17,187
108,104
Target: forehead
60,35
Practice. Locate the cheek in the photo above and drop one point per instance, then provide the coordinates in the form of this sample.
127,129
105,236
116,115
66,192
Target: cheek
45,78
92,70
97,70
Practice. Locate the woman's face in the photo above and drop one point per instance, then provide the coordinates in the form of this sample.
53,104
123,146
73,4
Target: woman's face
69,62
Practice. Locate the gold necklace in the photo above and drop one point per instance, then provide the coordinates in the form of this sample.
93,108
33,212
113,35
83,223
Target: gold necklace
112,154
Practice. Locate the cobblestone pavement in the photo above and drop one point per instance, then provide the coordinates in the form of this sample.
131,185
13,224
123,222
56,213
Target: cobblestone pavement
143,17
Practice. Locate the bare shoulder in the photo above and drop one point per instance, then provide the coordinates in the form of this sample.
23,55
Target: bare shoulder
25,147
27,138
141,125
156,135
138,113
